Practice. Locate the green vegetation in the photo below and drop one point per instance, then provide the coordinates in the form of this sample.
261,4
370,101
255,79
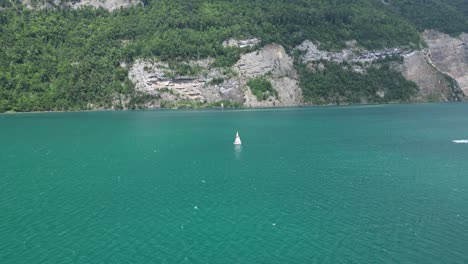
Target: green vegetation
433,98
183,69
453,85
216,81
449,16
65,59
138,100
338,84
261,88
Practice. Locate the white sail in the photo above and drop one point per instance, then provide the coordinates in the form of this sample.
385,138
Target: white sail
238,140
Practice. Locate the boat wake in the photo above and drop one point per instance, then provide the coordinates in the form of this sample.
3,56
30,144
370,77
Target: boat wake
460,141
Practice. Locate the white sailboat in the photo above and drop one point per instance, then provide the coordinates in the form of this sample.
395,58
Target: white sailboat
238,140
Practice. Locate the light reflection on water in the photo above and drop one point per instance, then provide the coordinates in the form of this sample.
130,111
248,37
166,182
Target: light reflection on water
237,151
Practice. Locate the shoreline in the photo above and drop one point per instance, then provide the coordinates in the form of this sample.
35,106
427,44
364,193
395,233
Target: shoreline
227,108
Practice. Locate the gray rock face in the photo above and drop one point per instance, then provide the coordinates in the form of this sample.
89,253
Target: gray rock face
351,54
110,5
145,74
151,78
272,59
212,85
273,63
429,68
445,55
44,5
449,55
313,53
242,43
431,82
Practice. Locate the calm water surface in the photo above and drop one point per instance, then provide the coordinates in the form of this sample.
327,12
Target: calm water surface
364,184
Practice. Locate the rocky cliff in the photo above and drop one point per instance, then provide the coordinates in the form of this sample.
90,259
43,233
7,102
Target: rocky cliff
433,85
449,55
213,84
208,86
273,63
110,5
351,54
440,71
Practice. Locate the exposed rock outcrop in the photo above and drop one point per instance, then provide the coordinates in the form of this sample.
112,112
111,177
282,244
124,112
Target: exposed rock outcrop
441,70
449,55
433,85
42,5
352,53
432,69
212,84
110,5
152,78
242,43
277,66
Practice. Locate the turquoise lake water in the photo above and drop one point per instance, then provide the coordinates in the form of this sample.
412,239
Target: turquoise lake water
360,184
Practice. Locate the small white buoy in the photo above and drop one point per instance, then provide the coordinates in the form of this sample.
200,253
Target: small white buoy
237,141
195,207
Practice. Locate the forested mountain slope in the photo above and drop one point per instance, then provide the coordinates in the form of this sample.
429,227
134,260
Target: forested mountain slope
63,55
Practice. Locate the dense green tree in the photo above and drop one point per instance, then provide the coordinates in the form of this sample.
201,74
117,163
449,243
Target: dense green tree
261,88
338,83
450,16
